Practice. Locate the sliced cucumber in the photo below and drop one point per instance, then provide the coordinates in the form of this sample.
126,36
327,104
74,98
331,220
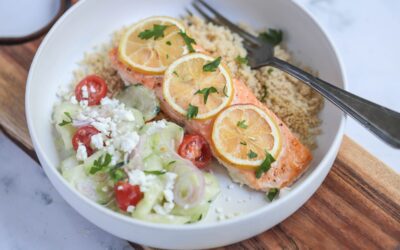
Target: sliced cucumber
141,98
166,219
153,196
212,187
194,213
152,163
66,131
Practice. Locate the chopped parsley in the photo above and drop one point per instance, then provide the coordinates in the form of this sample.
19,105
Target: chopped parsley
224,91
272,193
117,174
242,60
272,36
156,32
168,43
170,163
212,66
270,71
155,172
265,165
252,154
192,112
188,41
264,93
175,73
101,164
243,143
167,56
242,124
66,122
206,92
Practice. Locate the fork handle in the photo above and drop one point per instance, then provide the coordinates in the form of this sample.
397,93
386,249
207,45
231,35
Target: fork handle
381,121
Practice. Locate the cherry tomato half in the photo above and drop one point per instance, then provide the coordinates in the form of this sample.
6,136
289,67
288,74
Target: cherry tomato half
83,136
196,149
96,89
127,195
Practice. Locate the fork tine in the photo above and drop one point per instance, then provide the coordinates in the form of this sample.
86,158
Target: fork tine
204,14
223,20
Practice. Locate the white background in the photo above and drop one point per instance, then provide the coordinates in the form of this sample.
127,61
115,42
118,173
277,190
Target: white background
366,34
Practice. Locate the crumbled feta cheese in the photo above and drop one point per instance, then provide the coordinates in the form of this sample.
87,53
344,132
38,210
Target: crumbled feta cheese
100,126
73,100
120,188
126,143
159,209
96,141
156,126
170,180
85,93
92,89
130,209
81,153
110,103
123,115
104,189
169,195
168,206
84,103
138,177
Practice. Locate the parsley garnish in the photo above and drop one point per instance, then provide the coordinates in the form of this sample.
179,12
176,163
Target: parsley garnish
264,93
206,92
167,56
155,172
117,174
100,164
224,91
272,193
243,143
192,111
156,32
188,40
66,122
212,66
270,71
272,36
175,73
252,154
242,124
168,43
265,165
242,60
170,163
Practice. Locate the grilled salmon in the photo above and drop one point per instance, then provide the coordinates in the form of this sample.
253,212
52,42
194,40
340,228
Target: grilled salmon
292,161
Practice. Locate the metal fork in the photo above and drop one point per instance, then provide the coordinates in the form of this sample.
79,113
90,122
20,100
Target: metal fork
381,121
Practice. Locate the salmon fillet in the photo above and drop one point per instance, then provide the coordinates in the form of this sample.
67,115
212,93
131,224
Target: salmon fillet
292,161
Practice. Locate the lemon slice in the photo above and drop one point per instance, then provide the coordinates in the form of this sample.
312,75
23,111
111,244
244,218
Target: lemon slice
243,134
187,84
152,44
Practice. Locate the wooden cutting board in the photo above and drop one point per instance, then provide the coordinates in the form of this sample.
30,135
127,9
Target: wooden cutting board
357,206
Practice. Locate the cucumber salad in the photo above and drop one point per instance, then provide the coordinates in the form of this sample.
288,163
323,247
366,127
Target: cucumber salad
117,153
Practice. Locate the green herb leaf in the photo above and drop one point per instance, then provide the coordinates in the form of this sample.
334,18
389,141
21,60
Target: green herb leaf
170,163
242,60
265,165
175,73
224,91
156,32
192,112
242,124
264,93
101,164
243,143
188,40
206,92
155,172
66,122
118,174
272,36
212,66
270,71
252,154
272,193
168,43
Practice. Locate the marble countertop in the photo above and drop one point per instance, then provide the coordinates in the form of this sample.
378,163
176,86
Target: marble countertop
366,34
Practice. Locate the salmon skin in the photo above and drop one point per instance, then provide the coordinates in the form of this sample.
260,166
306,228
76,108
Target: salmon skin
294,157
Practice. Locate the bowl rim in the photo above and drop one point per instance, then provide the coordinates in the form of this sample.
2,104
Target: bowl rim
322,165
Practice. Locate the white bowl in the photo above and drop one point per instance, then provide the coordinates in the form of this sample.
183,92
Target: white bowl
90,23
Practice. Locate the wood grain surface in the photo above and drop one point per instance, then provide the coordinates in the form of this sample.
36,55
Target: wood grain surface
357,206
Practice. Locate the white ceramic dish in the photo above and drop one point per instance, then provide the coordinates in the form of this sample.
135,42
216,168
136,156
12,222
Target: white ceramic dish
90,23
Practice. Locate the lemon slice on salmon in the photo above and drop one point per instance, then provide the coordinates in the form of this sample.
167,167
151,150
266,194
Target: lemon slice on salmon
243,135
152,44
198,86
